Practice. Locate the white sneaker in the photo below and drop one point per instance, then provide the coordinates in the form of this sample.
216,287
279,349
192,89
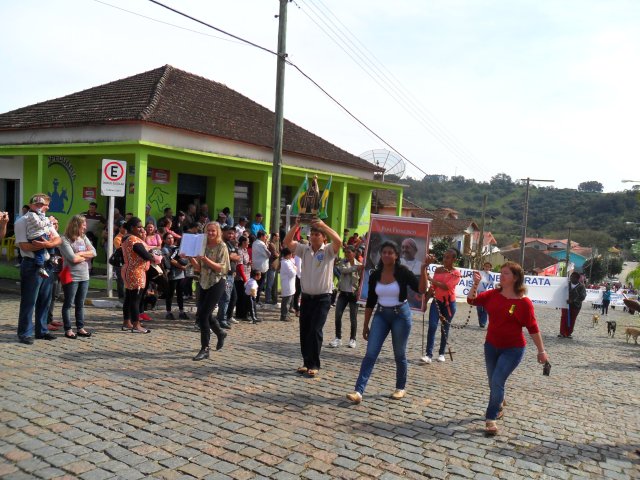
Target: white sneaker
335,343
233,320
441,358
425,359
352,343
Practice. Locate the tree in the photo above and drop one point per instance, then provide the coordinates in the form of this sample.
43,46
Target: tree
439,247
594,269
614,267
592,186
501,179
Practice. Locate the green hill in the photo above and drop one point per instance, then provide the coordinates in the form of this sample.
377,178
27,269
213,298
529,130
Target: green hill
596,219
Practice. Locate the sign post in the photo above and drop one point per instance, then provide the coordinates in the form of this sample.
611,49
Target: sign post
112,184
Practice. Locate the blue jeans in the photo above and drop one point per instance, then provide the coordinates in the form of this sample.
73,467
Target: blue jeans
223,304
74,294
35,294
385,320
347,299
448,310
483,316
501,362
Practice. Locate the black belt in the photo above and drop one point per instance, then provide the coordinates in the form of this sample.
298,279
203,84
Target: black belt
395,308
306,296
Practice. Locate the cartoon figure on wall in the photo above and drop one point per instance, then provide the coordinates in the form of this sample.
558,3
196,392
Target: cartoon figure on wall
61,171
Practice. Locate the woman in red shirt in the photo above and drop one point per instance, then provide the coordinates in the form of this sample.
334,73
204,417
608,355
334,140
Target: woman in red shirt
509,311
444,282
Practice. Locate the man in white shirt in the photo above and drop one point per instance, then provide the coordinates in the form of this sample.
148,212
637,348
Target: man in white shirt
316,281
35,291
260,260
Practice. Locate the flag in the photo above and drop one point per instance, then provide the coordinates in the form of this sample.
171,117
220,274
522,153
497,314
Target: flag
324,200
299,196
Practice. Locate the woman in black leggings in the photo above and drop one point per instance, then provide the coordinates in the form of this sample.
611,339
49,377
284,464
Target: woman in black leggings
213,267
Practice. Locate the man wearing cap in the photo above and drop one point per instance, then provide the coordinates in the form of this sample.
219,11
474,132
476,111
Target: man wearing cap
350,270
241,226
316,281
148,217
222,219
35,290
257,226
227,301
94,219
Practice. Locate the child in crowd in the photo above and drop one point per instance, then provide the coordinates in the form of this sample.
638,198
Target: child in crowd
288,272
251,290
38,228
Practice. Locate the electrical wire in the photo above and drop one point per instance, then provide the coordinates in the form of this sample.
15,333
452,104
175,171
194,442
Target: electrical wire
332,98
373,67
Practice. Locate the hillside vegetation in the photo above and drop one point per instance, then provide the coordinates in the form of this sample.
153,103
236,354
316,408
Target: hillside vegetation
596,219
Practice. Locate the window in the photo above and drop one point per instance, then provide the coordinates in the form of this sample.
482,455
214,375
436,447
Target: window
352,203
242,194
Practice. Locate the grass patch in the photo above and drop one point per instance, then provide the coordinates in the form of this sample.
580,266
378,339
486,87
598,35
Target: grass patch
10,272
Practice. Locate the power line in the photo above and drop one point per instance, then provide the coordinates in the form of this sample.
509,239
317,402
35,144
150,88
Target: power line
248,42
401,94
298,69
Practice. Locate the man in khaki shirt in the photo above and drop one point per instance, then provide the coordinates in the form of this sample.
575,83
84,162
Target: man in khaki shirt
316,280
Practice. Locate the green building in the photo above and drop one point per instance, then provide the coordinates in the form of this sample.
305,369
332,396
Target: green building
185,139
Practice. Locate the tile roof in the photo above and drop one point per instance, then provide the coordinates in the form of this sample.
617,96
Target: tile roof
534,259
174,98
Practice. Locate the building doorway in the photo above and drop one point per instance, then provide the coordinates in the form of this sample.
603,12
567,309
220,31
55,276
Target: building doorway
191,189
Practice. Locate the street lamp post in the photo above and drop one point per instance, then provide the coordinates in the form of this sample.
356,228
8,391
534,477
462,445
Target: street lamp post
525,214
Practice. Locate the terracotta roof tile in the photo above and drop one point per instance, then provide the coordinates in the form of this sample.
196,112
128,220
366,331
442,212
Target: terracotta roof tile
178,99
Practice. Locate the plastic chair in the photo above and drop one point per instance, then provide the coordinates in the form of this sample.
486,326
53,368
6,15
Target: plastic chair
8,247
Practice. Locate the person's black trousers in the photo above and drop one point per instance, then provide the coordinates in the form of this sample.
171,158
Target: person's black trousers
313,315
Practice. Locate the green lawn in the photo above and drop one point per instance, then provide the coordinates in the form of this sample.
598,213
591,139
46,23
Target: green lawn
12,273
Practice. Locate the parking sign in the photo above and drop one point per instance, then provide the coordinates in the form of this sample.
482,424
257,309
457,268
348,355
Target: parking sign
114,177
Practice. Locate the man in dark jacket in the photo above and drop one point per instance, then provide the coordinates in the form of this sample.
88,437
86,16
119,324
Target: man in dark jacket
577,294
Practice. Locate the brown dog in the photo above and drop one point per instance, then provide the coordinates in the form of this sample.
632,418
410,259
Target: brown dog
632,332
596,319
632,305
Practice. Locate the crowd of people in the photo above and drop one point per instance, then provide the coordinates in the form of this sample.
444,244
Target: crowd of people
236,274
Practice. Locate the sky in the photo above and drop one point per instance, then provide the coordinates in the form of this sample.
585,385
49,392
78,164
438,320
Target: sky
544,89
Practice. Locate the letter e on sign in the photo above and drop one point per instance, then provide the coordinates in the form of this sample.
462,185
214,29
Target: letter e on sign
113,178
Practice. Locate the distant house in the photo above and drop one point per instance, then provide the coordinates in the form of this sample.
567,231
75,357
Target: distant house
558,249
535,261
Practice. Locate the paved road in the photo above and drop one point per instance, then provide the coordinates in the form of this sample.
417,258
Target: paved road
120,405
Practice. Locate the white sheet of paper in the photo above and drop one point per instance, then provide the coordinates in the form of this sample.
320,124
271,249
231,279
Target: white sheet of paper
193,244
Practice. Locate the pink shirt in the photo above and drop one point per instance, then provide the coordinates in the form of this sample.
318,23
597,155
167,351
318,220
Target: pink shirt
451,279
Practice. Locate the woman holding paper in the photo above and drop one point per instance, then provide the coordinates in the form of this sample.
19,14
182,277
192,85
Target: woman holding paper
213,267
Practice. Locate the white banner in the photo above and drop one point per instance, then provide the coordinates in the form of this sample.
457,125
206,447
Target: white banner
594,296
543,291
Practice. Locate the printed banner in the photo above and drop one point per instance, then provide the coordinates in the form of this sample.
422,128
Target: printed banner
412,237
543,291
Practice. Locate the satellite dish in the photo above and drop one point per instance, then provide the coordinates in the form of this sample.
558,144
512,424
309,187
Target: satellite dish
392,163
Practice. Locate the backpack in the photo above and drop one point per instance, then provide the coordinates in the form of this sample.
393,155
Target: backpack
117,258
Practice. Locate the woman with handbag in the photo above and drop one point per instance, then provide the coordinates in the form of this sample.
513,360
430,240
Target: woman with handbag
134,274
77,251
213,267
509,311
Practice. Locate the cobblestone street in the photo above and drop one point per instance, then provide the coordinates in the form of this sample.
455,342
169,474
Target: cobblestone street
120,405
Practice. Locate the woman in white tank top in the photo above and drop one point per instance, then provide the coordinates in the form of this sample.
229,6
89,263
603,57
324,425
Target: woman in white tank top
388,285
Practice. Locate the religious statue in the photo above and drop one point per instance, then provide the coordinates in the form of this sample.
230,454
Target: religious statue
310,204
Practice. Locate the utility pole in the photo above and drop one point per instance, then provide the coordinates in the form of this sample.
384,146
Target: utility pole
481,238
525,214
276,190
568,252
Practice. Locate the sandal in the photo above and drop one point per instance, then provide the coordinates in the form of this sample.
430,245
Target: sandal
84,334
312,372
302,370
70,335
491,428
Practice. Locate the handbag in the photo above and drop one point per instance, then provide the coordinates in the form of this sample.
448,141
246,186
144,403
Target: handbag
65,275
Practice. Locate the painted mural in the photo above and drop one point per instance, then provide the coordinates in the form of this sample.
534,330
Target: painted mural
62,175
